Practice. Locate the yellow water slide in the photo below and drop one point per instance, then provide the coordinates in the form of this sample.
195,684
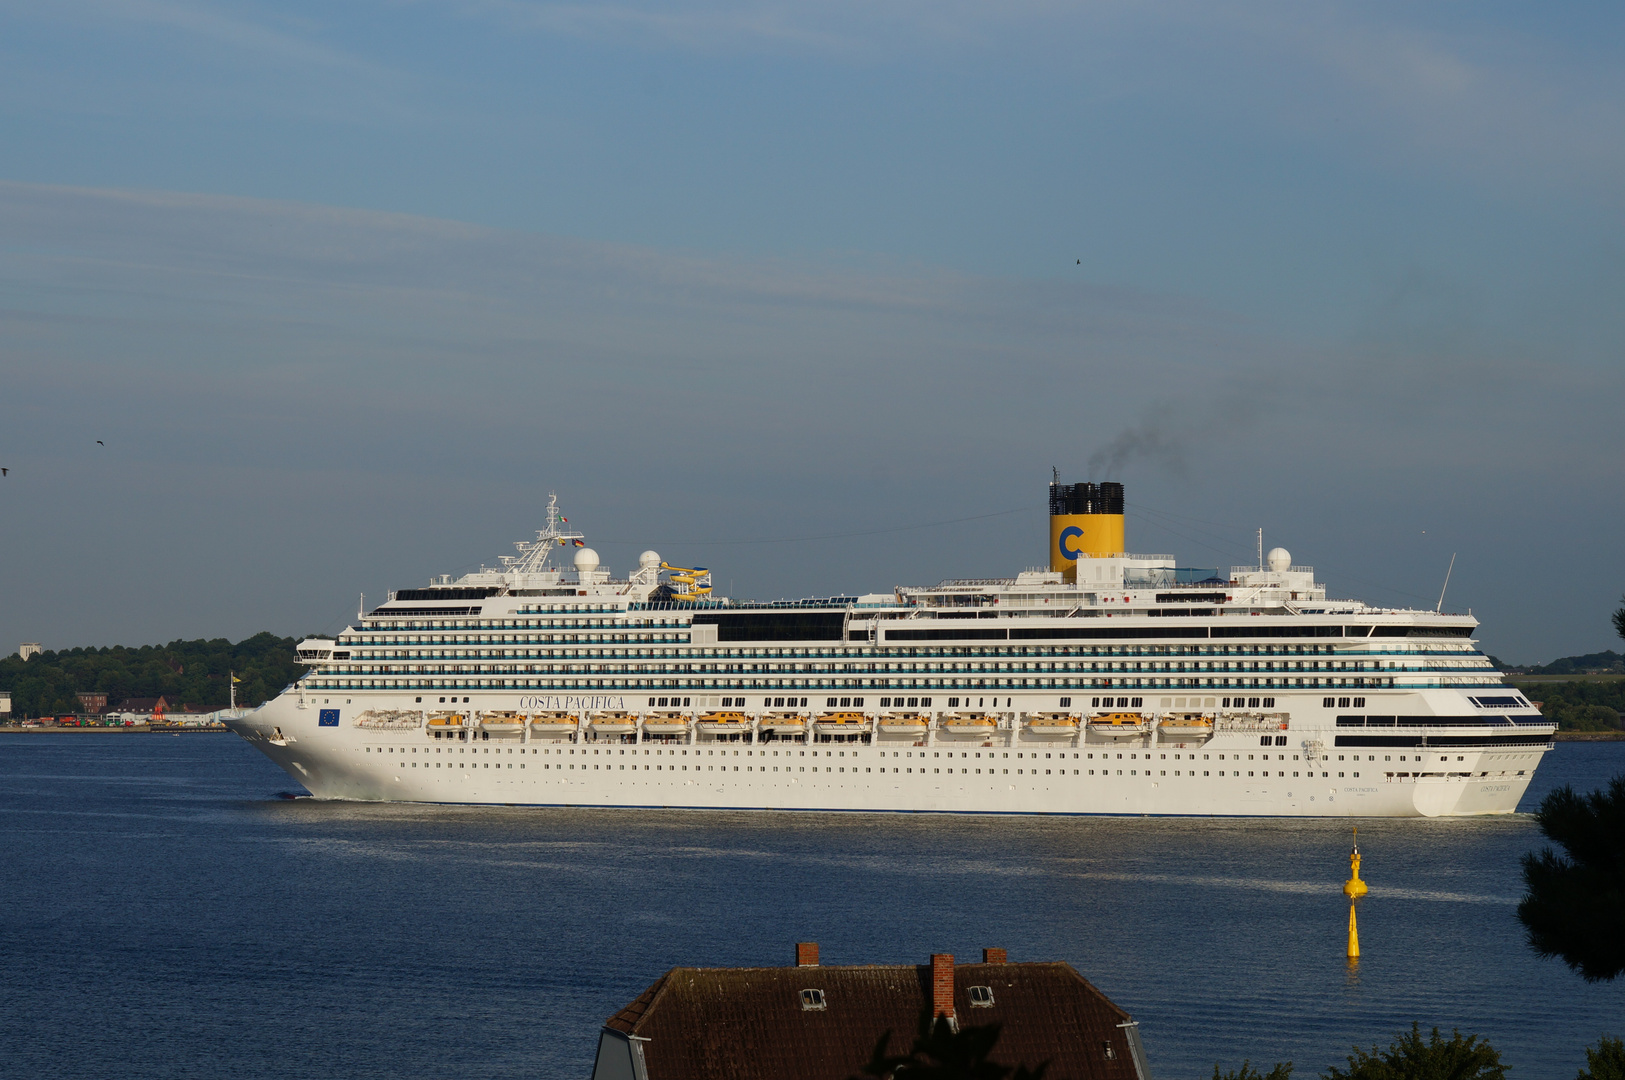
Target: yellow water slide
694,582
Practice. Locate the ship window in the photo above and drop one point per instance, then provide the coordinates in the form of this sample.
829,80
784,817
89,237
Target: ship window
1328,703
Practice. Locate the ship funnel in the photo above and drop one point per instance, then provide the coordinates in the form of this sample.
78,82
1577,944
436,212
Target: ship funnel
1085,520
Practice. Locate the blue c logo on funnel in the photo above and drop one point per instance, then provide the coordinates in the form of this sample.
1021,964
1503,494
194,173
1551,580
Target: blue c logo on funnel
1071,532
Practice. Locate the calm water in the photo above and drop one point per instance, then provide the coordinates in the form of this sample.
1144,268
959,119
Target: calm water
165,915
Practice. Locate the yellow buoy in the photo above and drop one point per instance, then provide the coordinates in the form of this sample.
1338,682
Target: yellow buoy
1354,888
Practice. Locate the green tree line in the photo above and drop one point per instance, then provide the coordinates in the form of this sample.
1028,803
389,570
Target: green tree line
185,672
1579,706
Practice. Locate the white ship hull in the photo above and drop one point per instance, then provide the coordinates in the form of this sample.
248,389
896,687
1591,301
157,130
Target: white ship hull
1227,775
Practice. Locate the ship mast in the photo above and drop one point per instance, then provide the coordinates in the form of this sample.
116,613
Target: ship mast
533,554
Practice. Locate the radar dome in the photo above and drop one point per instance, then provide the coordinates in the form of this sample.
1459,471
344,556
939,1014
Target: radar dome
1279,559
587,560
649,559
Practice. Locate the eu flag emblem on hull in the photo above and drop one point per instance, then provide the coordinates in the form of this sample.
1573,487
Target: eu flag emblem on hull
329,718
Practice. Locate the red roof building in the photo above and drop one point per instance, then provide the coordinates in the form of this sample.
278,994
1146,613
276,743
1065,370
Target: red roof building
144,704
809,1022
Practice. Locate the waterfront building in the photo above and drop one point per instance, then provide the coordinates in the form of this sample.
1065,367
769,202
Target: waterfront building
29,648
808,1022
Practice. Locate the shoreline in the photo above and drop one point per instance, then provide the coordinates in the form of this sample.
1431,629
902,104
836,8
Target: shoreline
134,729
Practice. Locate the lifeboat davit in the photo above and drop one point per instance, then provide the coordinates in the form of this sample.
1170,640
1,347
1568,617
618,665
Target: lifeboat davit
1118,725
445,722
904,724
785,723
724,723
614,723
841,723
507,723
1185,727
1052,726
665,724
553,723
969,724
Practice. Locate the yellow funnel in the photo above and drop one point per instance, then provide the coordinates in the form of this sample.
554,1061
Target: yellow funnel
1085,521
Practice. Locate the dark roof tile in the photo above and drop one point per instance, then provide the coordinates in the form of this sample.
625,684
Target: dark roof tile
748,1023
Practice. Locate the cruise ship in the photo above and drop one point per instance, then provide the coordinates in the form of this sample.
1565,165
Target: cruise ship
1104,683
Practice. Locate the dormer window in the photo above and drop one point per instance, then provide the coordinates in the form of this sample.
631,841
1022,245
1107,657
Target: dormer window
981,996
812,1001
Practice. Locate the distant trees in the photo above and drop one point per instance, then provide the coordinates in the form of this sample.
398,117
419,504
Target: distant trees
1619,620
1409,1057
188,672
1579,706
1574,899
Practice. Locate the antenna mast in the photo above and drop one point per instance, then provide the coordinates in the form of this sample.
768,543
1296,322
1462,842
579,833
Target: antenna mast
1261,549
1440,605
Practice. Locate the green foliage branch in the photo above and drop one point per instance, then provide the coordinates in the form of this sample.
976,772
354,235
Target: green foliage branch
1282,1071
940,1052
1605,1061
1572,907
1410,1057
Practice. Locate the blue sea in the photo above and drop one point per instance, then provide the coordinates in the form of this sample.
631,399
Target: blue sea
166,914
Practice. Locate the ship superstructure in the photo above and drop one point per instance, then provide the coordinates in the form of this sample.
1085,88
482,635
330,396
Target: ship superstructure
1105,683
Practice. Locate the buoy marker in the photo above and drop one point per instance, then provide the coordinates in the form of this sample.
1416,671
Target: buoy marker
1354,888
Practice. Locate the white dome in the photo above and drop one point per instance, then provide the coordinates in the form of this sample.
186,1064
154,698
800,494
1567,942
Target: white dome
1279,559
587,560
649,559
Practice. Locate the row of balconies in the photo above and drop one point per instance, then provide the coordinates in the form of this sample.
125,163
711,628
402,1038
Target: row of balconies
460,680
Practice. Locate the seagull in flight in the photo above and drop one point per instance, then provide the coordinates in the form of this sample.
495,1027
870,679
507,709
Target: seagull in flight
5,472
100,443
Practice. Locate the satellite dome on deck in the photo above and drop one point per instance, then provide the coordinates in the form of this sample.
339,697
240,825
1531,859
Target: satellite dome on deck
587,560
1279,559
649,559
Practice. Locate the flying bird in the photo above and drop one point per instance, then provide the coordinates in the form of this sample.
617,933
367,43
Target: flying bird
100,443
5,472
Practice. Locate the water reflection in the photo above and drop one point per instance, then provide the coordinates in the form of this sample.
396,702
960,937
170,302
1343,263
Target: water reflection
422,940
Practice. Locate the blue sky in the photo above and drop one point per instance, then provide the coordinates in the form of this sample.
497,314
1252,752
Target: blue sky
354,285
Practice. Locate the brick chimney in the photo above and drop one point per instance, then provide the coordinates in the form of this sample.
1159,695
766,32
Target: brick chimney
942,985
806,954
994,956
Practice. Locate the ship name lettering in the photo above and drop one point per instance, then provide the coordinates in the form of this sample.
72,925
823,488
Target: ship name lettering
573,702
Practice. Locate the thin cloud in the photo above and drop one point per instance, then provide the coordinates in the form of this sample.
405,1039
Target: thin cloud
214,25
